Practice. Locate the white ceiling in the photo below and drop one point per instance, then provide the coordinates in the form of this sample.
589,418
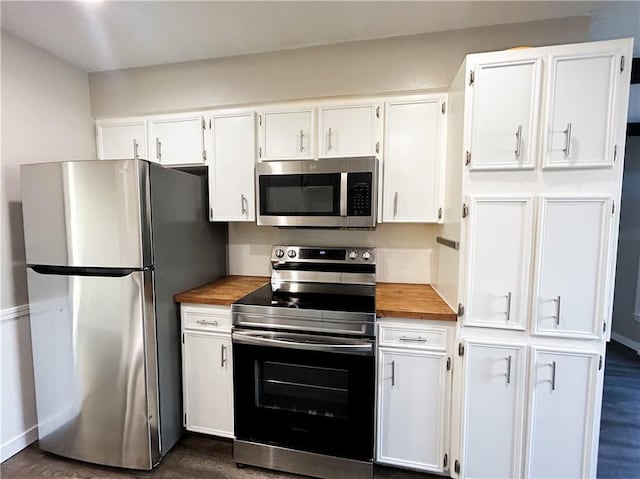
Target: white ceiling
108,35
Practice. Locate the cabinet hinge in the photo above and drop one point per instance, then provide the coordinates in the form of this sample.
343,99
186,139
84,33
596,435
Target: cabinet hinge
460,309
604,327
209,123
465,210
445,461
440,213
460,349
444,107
600,363
185,418
467,158
472,77
613,208
378,147
183,333
260,152
260,120
204,155
449,364
377,112
615,153
204,124
456,467
621,63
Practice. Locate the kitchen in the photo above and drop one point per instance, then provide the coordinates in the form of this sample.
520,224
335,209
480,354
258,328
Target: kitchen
405,252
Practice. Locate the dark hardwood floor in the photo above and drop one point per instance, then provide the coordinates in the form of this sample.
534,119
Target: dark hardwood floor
619,455
194,457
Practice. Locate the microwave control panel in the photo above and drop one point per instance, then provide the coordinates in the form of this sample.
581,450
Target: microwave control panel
359,194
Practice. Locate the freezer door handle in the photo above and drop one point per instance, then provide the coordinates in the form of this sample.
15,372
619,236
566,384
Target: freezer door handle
83,271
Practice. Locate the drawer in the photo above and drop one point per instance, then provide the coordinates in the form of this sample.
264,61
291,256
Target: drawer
206,318
412,337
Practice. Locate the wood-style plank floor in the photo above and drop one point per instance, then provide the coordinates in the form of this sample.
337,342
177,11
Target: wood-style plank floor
194,457
619,455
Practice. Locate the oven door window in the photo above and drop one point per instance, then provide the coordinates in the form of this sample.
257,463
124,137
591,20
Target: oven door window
307,400
300,195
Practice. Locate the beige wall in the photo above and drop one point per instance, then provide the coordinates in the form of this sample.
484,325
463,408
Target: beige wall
45,117
419,62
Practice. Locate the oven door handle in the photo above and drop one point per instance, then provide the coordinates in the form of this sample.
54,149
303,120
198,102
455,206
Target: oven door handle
353,348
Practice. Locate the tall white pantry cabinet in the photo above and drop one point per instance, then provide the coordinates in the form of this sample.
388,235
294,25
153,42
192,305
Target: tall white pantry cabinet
535,153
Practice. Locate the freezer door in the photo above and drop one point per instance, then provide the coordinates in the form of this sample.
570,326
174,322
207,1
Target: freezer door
87,213
94,360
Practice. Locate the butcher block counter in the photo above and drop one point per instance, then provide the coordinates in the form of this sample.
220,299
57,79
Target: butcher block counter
393,300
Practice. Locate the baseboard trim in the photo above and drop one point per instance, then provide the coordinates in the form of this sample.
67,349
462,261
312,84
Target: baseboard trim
630,343
14,313
18,443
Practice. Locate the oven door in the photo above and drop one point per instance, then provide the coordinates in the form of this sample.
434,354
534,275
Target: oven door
307,392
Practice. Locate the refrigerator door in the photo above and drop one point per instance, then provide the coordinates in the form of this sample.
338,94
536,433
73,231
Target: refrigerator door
87,213
95,365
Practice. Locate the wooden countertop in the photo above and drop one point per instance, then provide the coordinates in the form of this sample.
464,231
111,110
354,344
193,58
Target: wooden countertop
415,301
393,300
222,292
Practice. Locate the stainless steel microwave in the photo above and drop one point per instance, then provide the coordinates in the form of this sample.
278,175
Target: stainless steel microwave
332,193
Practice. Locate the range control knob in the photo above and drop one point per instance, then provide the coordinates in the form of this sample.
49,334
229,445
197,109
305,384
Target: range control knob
366,256
279,253
353,255
292,253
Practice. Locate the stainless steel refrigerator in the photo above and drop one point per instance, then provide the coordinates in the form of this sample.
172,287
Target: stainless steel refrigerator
108,243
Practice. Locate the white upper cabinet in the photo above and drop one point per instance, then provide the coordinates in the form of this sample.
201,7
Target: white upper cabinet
504,114
120,140
177,140
571,266
231,167
413,163
561,415
581,99
287,135
493,410
349,130
498,262
412,408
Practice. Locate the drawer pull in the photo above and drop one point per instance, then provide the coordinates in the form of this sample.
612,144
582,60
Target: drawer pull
205,322
419,339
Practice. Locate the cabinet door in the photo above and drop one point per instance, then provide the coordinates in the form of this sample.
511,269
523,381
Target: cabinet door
178,141
561,416
208,383
121,141
493,410
504,115
572,251
231,169
581,111
411,410
287,135
498,262
412,161
348,131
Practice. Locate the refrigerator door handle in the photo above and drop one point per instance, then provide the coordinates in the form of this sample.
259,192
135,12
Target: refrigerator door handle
82,271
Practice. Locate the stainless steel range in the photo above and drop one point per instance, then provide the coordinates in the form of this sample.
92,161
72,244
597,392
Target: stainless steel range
304,366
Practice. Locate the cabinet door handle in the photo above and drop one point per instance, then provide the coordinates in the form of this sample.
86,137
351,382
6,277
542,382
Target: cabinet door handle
567,140
508,358
419,339
158,149
553,375
135,149
243,204
223,356
557,316
518,141
509,306
395,204
329,146
301,141
205,322
393,373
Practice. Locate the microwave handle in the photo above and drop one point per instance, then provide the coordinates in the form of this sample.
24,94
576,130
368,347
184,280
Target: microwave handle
343,194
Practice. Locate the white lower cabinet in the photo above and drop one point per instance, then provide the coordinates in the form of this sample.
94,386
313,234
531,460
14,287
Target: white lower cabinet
492,410
413,404
207,374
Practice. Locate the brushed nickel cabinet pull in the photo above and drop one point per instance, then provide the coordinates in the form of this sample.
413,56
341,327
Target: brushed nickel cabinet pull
393,373
158,149
518,141
301,141
509,306
553,375
567,140
329,146
508,358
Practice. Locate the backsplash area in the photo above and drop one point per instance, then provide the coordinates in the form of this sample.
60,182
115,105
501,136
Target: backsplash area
404,250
